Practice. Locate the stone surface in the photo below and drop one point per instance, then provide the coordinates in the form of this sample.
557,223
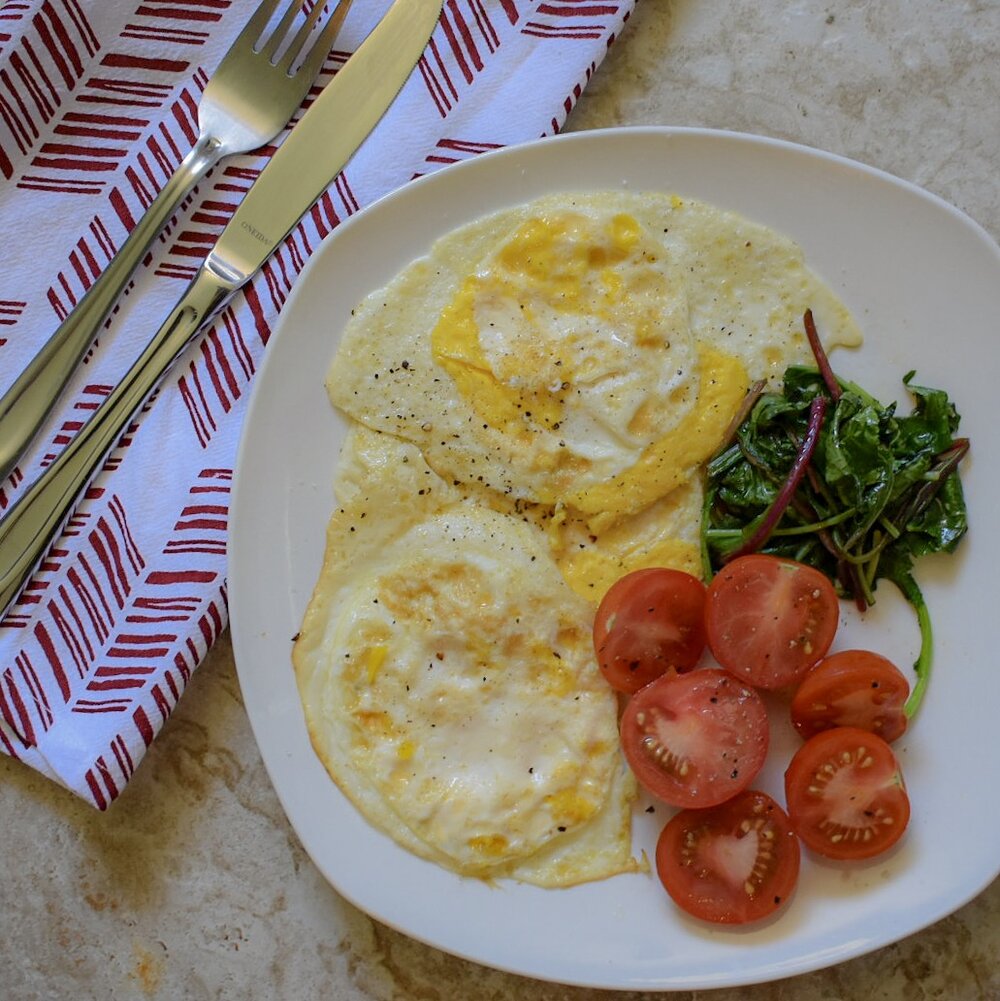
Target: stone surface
194,886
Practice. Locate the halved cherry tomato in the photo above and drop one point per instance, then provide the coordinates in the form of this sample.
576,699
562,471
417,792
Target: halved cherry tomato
845,793
695,739
852,688
769,619
650,622
735,863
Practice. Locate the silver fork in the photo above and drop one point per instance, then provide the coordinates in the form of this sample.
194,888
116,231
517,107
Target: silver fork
250,97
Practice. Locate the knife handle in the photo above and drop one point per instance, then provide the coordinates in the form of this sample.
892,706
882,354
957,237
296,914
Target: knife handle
32,521
27,403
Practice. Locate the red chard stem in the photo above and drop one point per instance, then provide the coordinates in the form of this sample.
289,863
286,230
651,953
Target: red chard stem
817,410
822,361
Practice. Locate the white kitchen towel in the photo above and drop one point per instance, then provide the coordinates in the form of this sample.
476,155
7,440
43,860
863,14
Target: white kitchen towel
98,104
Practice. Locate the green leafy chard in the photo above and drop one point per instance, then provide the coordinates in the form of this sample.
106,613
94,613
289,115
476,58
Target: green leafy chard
823,473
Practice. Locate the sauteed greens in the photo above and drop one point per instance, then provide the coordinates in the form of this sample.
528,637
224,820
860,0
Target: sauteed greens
823,473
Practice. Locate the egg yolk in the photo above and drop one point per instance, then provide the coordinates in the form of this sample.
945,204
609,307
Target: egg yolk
668,462
590,572
550,265
570,302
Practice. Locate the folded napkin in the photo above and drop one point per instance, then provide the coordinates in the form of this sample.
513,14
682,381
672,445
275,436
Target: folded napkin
98,104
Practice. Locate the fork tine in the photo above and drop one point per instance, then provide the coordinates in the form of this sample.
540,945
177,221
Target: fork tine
254,28
303,33
279,33
324,41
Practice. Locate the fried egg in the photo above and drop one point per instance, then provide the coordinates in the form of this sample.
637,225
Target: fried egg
586,350
447,678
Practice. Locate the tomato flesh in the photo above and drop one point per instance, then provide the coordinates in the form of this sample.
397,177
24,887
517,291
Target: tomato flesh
649,623
769,620
695,740
846,795
852,688
732,864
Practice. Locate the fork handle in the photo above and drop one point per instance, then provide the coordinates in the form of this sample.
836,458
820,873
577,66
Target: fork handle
27,403
30,524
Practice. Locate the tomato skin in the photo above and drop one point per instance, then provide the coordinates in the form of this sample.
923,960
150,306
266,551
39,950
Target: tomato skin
706,865
695,740
846,795
649,623
769,620
852,688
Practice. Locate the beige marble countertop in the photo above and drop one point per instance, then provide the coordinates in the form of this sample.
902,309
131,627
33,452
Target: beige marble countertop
194,886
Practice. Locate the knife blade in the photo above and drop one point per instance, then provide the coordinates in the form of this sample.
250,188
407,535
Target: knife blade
308,160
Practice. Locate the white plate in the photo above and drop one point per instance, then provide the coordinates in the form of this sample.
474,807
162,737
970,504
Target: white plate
924,283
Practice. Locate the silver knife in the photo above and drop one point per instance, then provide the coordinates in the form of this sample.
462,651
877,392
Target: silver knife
304,165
